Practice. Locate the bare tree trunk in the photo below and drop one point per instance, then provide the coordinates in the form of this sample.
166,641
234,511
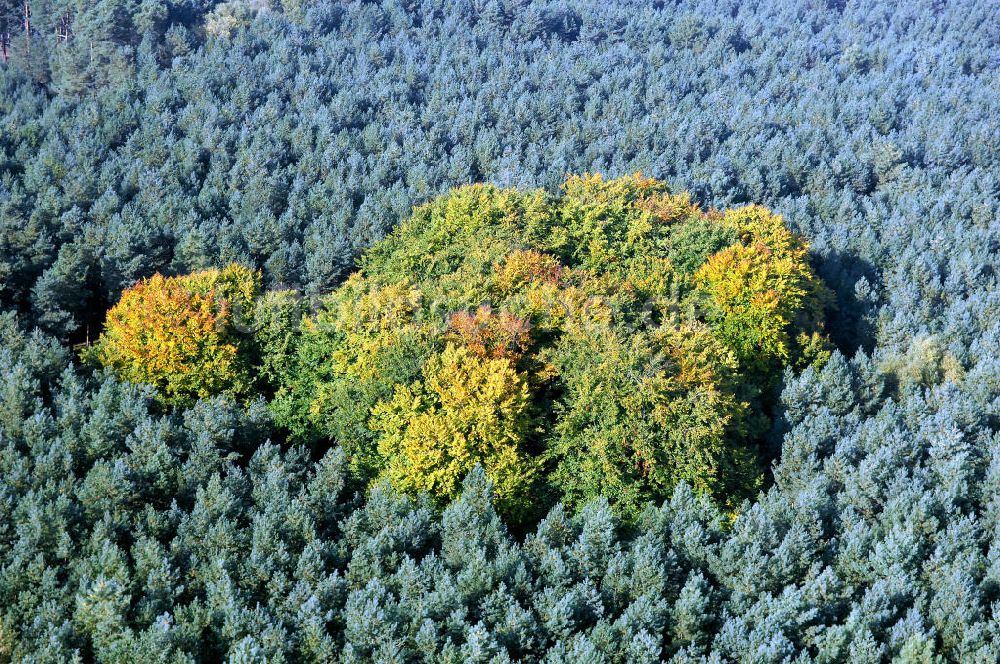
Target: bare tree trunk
63,29
27,27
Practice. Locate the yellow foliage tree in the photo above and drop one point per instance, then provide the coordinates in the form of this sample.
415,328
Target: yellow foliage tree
603,223
468,410
761,293
180,334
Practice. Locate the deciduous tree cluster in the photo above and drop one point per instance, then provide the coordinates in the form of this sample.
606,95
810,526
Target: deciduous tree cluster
549,339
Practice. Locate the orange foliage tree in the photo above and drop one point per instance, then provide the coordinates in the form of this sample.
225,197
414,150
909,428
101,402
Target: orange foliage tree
180,334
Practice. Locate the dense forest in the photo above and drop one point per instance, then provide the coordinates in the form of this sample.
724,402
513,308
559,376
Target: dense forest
499,330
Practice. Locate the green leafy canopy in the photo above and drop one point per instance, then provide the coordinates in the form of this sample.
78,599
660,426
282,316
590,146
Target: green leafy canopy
613,340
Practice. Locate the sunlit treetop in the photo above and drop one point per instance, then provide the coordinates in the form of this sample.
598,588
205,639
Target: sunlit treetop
638,338
187,336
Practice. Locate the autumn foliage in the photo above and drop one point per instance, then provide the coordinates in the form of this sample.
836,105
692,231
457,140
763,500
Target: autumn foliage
614,340
759,288
180,334
466,409
491,335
